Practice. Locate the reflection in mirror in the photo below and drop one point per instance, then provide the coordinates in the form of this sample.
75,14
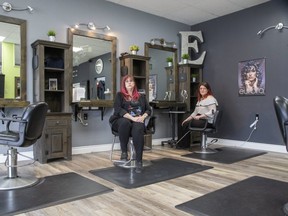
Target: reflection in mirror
163,81
94,68
12,61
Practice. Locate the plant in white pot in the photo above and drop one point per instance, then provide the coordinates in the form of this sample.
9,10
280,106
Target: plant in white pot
134,49
51,35
185,58
169,60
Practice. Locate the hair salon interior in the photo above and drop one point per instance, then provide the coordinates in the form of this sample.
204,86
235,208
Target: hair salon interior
79,108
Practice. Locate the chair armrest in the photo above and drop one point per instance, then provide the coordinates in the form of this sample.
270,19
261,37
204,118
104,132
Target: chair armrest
196,128
13,120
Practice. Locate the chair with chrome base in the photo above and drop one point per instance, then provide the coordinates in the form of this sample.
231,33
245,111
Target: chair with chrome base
29,130
131,163
204,131
281,109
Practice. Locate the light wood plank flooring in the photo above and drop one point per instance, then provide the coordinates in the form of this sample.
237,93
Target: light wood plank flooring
156,199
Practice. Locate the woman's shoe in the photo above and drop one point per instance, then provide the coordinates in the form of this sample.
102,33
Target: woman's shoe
139,167
124,156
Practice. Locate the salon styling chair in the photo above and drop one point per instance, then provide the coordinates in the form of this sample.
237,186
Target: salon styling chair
281,109
206,130
131,163
26,130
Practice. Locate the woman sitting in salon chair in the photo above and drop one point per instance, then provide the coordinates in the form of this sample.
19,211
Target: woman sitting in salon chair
130,110
205,108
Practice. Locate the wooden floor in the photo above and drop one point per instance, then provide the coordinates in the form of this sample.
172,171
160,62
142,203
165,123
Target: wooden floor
156,199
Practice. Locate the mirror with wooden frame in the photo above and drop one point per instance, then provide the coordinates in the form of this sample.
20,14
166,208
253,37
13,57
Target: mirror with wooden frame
13,62
163,81
94,68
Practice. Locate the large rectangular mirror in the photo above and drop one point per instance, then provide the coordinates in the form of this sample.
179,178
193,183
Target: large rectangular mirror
94,68
163,78
12,62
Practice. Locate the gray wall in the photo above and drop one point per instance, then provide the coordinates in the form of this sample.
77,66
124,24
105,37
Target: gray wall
234,38
128,25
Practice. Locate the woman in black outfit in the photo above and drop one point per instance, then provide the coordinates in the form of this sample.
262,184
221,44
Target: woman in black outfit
130,110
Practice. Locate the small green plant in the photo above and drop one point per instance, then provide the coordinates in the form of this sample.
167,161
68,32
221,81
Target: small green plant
169,59
51,33
185,56
134,48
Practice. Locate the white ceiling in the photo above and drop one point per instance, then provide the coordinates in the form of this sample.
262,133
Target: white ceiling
190,12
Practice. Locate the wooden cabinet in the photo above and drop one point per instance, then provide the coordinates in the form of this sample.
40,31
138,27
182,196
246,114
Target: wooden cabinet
189,77
55,141
136,66
52,84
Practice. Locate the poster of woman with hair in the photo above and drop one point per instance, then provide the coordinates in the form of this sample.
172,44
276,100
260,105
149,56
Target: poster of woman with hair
251,77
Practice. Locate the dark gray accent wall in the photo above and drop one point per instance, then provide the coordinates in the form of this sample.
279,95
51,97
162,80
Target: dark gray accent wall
233,38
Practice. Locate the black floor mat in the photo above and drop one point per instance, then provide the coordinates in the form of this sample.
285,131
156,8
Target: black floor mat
160,170
52,190
253,196
227,155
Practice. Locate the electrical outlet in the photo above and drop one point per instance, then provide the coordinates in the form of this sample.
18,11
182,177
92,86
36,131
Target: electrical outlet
256,116
85,116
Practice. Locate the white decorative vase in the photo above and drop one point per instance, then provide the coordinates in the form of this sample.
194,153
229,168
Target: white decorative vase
134,52
185,61
52,38
169,64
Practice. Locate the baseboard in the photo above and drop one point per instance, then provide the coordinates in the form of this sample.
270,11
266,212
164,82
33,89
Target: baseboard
250,145
155,142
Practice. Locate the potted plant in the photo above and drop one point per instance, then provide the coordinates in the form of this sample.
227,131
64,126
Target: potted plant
51,34
185,58
169,61
134,49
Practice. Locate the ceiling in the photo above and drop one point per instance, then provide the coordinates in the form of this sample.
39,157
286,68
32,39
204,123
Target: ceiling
190,12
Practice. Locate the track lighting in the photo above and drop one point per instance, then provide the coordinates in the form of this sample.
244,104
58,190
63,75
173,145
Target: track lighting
162,42
91,26
278,27
8,7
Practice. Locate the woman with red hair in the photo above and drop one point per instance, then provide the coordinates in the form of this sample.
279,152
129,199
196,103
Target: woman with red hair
205,108
130,110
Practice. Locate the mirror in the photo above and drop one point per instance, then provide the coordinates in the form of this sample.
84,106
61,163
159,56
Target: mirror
94,68
163,82
12,62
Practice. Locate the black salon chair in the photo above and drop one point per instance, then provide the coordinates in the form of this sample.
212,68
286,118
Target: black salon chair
131,163
206,130
281,109
26,130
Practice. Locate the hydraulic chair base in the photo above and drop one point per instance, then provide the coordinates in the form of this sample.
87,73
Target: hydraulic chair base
130,163
204,149
7,183
12,180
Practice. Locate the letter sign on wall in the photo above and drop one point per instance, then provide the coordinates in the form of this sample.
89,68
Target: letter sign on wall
194,45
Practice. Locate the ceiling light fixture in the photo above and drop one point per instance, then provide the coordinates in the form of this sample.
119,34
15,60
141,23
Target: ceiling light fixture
278,27
162,42
91,26
8,7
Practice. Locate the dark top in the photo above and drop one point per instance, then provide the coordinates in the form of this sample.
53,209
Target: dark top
134,108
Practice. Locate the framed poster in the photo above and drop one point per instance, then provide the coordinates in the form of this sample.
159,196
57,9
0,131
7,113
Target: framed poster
251,77
152,87
53,85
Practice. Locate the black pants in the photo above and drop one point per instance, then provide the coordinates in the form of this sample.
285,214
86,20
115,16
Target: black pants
185,142
127,128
